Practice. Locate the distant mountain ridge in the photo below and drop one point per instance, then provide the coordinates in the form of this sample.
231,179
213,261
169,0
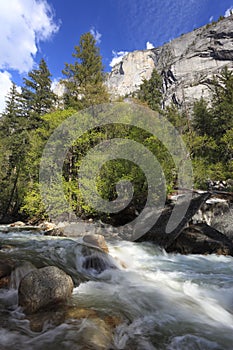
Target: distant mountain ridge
186,64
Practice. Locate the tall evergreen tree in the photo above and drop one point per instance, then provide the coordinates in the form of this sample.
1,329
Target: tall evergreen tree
37,94
151,91
13,147
85,78
222,105
202,118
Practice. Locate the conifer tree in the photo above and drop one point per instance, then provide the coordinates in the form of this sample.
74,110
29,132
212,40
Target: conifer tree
151,91
13,147
37,94
222,105
85,78
202,118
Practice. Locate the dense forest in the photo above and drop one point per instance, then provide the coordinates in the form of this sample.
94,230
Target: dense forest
32,114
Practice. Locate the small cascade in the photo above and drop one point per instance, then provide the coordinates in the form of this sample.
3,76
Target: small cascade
19,272
94,261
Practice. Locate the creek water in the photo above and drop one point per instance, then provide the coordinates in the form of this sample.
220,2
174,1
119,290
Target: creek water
161,301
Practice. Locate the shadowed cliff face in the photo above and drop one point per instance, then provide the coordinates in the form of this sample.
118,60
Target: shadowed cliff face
186,64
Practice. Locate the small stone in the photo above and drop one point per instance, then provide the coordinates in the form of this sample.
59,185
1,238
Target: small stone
96,241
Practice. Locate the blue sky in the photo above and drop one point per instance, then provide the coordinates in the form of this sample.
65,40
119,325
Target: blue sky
32,29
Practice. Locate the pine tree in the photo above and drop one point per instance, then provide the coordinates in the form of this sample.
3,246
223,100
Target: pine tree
13,147
85,78
202,118
37,94
151,91
222,106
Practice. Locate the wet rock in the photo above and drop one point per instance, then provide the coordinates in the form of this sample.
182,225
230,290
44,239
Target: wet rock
17,224
46,226
98,335
158,233
44,287
37,321
5,270
201,239
5,282
97,241
76,313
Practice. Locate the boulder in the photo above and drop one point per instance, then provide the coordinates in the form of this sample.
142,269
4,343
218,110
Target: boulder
17,224
201,239
47,226
158,235
44,287
97,241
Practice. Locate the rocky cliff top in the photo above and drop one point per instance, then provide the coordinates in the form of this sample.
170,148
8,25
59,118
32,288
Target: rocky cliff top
186,64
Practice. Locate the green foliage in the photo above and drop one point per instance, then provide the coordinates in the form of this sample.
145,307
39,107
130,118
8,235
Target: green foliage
210,143
151,91
222,110
202,118
32,203
177,118
13,148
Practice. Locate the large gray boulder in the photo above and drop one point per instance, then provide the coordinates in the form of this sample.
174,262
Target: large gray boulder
44,288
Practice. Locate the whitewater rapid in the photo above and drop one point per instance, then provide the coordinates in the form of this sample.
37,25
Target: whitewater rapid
164,301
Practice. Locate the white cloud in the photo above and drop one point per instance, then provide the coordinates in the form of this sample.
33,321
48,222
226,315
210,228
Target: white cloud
96,35
149,46
5,85
229,12
117,57
211,18
24,24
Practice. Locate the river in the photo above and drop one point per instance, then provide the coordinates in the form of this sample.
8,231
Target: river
161,301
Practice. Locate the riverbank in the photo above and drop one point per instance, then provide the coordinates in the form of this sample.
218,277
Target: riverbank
206,227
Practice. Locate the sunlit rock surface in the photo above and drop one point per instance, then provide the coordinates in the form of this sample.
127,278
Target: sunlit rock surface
186,64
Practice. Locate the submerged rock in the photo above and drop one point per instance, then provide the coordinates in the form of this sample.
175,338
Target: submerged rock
44,287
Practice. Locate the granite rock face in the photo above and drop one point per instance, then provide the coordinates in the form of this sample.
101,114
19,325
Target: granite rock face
186,64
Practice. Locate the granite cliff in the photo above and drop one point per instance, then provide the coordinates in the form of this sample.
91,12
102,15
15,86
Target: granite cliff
186,64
